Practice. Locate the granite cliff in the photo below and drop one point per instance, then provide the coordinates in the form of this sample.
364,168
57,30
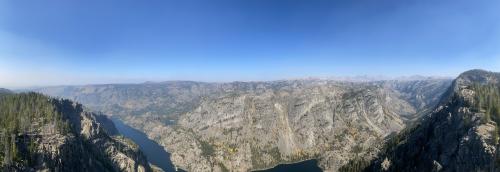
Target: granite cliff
39,133
242,126
461,134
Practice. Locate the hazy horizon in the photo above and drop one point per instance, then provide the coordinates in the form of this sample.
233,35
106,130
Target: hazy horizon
357,78
95,42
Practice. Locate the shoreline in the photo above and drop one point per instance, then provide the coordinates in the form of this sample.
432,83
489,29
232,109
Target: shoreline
286,163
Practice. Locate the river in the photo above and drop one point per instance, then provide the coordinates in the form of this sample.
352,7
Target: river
155,153
158,156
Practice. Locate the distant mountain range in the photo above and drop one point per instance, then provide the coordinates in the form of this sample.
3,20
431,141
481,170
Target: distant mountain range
418,124
243,126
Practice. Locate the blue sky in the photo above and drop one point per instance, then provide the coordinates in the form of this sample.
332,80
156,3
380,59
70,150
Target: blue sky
58,42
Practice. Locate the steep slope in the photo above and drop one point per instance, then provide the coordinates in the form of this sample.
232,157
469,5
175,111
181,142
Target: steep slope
330,121
242,126
259,130
162,101
459,135
39,133
423,95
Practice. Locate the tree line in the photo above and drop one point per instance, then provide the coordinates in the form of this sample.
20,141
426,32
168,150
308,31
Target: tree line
22,117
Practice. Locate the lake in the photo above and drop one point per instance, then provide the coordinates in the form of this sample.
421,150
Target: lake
154,152
158,156
308,165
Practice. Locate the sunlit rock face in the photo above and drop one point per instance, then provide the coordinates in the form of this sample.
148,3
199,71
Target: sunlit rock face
243,126
76,140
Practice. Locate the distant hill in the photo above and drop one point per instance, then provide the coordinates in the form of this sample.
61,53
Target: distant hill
4,91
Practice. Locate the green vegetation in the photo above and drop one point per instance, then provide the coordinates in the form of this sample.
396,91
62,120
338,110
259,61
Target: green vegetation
355,165
223,167
487,100
21,119
206,148
258,155
389,150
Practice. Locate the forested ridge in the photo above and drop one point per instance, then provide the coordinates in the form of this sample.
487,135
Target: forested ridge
462,134
487,100
21,117
40,133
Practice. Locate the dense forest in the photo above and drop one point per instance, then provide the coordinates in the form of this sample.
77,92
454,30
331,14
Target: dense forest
487,101
40,133
22,117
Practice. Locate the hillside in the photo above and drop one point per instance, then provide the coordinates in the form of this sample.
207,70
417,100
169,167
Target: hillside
461,134
243,126
39,133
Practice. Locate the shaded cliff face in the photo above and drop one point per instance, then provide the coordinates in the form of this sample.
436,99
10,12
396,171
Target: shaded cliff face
253,125
40,133
461,134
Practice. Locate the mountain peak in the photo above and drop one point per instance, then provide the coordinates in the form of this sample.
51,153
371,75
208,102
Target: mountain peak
475,72
478,76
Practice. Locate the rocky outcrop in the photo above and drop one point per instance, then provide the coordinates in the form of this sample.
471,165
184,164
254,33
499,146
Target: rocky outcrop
123,153
457,136
332,122
79,142
243,126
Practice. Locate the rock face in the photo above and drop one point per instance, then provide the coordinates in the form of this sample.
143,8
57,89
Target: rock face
244,126
79,142
332,122
459,135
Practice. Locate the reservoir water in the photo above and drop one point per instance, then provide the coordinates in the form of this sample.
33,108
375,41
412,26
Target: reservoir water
158,156
309,166
155,153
